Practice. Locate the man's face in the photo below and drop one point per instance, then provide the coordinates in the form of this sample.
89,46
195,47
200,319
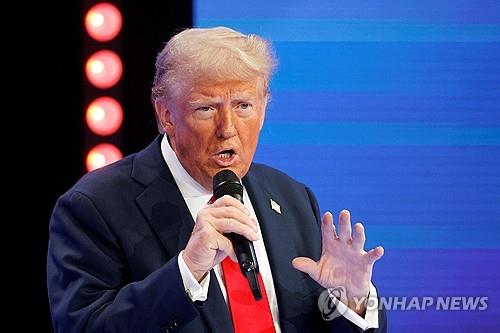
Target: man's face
215,127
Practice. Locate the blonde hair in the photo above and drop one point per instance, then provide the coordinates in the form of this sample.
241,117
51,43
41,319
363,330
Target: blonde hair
210,55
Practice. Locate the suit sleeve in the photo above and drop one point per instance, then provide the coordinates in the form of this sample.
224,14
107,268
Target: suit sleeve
87,278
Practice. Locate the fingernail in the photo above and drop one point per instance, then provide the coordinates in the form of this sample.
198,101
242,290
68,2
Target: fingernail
344,215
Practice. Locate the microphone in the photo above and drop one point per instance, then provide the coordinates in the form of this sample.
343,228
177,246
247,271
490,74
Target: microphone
226,182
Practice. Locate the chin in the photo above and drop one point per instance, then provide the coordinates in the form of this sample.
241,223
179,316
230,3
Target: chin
241,171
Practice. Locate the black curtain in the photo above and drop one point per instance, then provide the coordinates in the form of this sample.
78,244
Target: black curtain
57,146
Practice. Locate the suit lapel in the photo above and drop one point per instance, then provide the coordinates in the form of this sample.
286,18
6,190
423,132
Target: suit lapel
214,310
280,247
166,211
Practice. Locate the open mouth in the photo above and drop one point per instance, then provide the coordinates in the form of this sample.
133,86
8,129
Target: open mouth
226,154
225,157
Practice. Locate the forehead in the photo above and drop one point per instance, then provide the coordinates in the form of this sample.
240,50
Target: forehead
233,89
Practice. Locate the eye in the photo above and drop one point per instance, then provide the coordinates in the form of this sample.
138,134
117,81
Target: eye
204,108
204,112
244,106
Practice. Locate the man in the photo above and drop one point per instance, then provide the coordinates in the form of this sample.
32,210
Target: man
135,246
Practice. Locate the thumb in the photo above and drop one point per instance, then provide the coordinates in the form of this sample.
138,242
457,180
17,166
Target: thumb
375,254
305,265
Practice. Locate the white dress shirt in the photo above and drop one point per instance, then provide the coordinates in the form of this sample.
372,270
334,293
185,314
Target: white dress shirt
197,197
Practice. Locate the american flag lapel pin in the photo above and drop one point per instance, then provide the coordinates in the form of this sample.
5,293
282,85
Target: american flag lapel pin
275,206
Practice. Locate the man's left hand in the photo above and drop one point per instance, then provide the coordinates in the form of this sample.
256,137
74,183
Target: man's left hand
343,262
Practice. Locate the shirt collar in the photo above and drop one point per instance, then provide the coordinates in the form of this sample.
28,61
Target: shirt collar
189,187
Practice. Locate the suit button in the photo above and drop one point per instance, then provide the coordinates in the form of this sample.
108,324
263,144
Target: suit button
168,329
173,325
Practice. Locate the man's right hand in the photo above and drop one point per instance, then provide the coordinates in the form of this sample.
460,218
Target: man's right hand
207,245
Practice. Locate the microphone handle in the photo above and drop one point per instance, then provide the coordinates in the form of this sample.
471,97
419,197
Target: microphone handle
247,259
245,253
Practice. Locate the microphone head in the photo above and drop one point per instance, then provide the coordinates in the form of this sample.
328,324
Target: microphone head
226,182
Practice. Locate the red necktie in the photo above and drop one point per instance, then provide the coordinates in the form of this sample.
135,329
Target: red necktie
248,315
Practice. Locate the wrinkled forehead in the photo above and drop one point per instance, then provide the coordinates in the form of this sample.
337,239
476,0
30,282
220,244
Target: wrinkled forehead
225,88
218,90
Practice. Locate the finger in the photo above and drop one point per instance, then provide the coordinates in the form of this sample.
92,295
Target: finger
227,225
358,238
345,225
224,244
375,254
229,201
327,227
306,265
234,213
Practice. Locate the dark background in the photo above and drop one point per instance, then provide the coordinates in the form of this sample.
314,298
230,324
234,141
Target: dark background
54,46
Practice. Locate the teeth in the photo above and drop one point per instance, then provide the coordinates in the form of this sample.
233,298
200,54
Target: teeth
225,155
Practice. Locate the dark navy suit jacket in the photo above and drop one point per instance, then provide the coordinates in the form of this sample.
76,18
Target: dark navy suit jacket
114,240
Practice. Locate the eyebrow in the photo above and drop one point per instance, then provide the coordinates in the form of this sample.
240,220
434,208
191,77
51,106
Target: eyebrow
204,100
217,100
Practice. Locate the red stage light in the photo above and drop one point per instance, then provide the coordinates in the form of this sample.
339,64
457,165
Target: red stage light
103,22
104,116
101,155
104,69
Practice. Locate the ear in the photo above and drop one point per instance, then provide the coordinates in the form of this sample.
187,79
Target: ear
165,118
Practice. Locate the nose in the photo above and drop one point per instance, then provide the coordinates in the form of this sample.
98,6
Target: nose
225,123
